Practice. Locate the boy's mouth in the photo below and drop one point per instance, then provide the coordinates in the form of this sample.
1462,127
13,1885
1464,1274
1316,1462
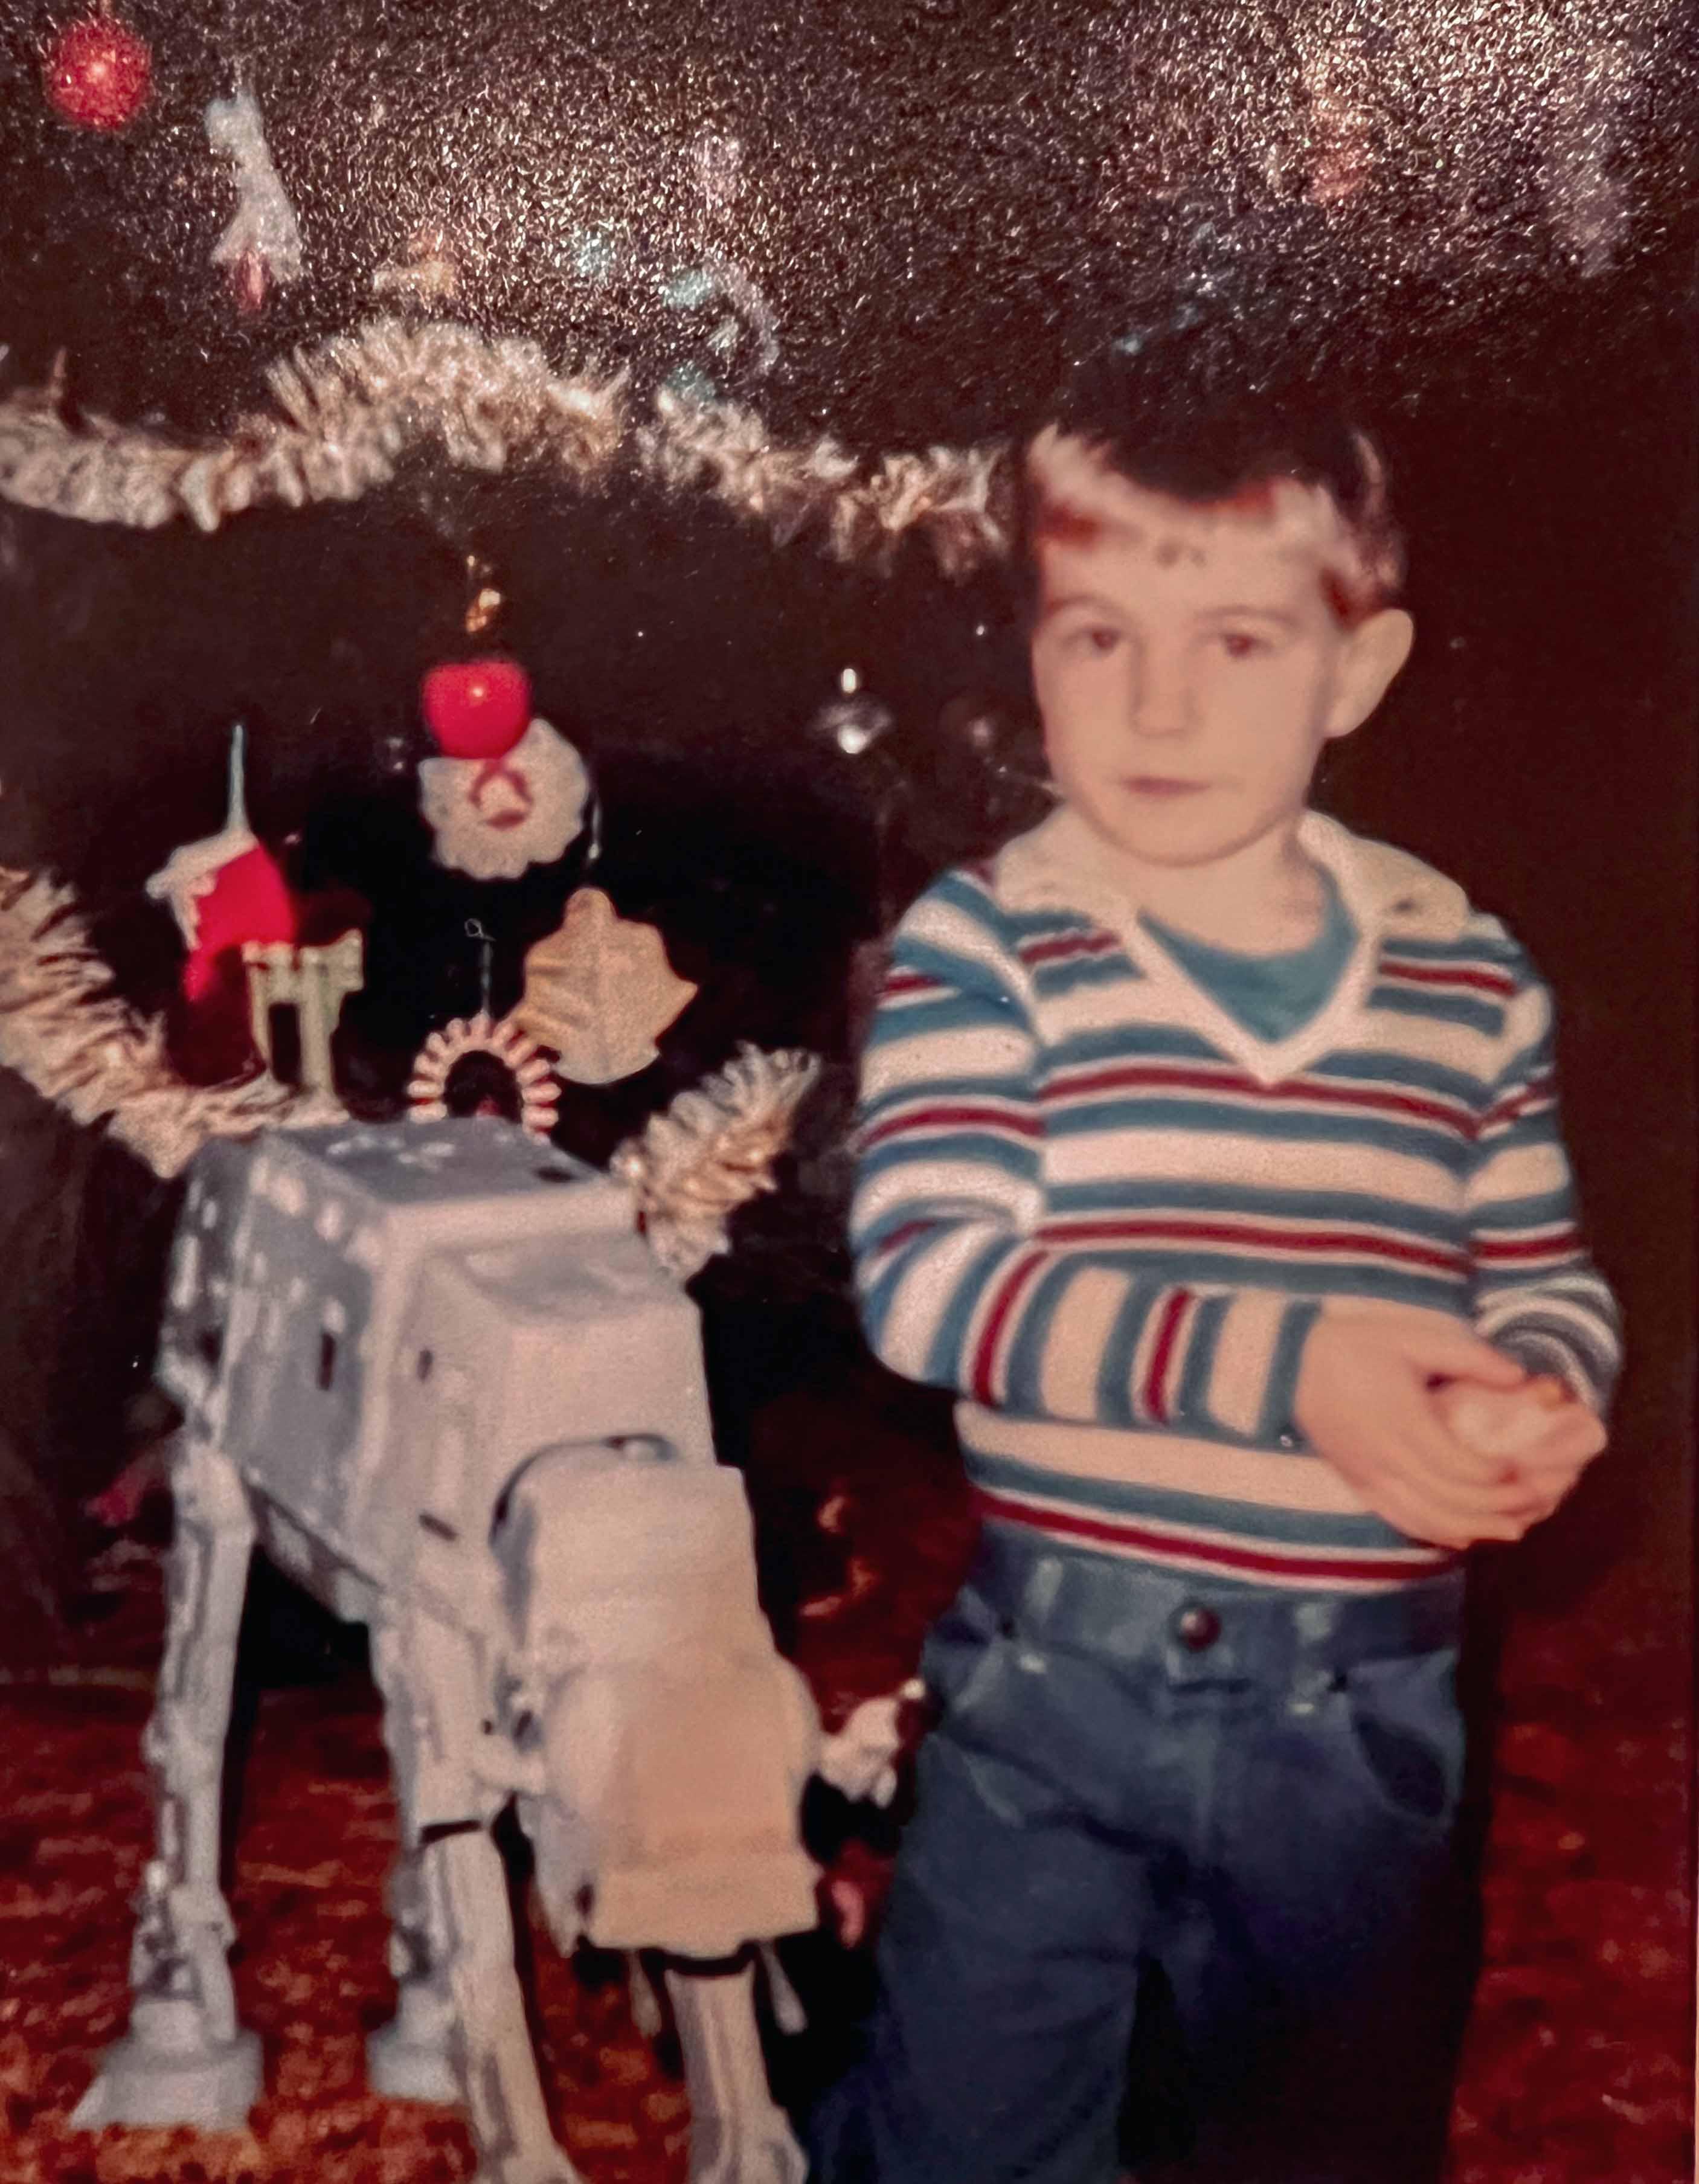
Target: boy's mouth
1158,784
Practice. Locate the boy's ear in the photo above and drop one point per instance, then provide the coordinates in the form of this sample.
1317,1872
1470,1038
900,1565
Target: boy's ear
1374,652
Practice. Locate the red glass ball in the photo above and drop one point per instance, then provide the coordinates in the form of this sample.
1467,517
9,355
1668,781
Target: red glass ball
477,708
98,73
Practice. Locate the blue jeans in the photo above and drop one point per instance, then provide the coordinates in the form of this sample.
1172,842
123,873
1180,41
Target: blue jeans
1244,1796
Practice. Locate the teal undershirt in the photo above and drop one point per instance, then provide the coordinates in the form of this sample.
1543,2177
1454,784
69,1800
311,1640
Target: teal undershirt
1271,996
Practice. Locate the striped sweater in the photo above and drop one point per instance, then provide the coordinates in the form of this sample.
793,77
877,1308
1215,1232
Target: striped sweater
1107,1214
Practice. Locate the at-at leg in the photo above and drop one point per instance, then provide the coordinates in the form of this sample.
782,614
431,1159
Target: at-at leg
410,2059
460,2001
739,2134
184,2058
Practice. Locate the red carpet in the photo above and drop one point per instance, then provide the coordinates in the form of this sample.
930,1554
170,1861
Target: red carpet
1578,2061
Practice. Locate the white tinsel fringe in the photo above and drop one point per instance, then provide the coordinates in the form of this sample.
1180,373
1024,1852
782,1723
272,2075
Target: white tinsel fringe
81,1045
712,1150
347,412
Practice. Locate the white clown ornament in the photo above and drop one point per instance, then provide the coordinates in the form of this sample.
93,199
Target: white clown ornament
509,792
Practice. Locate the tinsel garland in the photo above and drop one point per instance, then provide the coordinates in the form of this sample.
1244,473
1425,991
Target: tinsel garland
347,412
947,494
712,1150
80,1044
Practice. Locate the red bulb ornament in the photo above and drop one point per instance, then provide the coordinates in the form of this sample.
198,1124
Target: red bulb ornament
477,708
98,74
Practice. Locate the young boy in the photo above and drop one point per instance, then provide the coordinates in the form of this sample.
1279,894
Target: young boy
1210,1153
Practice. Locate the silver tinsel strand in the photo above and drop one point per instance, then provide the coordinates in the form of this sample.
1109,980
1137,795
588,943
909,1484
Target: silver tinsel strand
713,1150
78,1043
347,412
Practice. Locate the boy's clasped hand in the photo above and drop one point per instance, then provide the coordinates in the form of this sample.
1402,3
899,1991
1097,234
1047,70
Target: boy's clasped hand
1444,1436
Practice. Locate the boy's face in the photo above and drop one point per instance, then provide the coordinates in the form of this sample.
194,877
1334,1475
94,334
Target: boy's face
1190,663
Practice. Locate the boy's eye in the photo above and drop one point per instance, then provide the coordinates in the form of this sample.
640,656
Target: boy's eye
1243,644
1098,639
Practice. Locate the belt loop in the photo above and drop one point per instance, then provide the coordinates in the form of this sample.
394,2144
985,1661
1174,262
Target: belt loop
1043,1588
1315,1621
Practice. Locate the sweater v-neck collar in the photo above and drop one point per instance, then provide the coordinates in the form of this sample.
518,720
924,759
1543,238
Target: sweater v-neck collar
1061,865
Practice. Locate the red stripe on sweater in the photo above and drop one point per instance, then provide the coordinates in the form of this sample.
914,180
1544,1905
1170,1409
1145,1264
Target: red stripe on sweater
1529,1099
1498,983
1140,1077
905,1235
1168,1338
983,1378
1338,1570
1566,1244
1062,945
940,1116
1317,1241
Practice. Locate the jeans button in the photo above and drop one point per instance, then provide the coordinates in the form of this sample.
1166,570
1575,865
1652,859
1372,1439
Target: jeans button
1197,1627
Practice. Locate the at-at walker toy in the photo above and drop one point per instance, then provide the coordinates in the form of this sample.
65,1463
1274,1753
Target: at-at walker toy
437,1374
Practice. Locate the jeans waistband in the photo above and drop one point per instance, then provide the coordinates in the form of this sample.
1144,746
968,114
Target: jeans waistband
1122,1610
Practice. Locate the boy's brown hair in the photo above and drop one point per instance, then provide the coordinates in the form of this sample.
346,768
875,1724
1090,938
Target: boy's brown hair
1211,442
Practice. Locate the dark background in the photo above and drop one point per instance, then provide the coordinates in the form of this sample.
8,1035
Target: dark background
942,203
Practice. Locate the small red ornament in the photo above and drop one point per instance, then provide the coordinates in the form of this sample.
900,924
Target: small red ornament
477,708
248,900
223,890
98,74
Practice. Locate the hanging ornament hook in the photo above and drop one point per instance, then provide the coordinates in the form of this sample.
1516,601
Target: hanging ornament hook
483,595
236,805
474,931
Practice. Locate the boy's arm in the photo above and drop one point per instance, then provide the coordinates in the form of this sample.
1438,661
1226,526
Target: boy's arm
957,1287
1537,1294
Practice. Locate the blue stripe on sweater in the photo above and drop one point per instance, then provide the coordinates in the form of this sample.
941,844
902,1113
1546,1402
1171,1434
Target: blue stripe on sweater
1528,1132
922,1018
874,1295
1192,1397
1318,1208
1507,1216
943,1092
1356,1067
1485,1016
944,1357
1115,1402
1149,1111
1471,952
1013,1156
1201,1511
1401,1073
1312,1274
1023,1374
1083,1050
1278,1421
1075,972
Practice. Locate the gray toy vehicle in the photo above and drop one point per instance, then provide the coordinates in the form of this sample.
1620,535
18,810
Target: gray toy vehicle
437,1374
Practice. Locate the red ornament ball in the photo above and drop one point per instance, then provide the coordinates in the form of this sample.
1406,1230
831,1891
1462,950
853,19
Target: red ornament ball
477,708
98,74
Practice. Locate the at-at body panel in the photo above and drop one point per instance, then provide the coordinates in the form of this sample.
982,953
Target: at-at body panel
378,1324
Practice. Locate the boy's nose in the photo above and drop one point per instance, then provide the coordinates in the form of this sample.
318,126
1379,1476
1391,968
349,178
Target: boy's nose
1163,706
